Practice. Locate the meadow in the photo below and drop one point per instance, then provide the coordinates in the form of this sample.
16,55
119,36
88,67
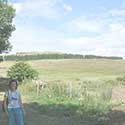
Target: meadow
83,69
89,100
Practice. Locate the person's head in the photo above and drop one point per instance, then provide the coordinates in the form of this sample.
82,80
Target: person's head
13,84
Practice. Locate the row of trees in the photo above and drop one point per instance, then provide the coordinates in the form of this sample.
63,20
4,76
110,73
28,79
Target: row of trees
103,57
53,56
41,56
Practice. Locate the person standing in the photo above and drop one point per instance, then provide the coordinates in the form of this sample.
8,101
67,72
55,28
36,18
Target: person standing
13,104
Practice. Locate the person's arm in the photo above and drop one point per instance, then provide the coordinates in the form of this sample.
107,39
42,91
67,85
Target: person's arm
5,104
21,104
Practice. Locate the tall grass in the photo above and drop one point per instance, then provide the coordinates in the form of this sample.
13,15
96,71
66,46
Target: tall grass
89,97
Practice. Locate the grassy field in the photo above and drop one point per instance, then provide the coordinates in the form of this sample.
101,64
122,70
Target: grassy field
74,69
93,92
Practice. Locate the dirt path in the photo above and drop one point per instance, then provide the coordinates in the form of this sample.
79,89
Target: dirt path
34,117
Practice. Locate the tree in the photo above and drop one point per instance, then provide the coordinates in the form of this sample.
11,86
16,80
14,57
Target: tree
7,13
22,71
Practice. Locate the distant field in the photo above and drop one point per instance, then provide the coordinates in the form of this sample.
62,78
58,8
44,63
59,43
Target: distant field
82,69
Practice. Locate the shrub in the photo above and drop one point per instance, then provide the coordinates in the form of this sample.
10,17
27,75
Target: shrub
94,98
121,79
22,71
1,58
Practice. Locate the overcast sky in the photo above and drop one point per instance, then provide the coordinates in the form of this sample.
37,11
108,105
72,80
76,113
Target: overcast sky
72,26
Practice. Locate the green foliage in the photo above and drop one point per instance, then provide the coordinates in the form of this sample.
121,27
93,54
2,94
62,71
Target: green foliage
96,103
22,71
1,58
42,56
121,79
103,57
7,14
25,57
88,99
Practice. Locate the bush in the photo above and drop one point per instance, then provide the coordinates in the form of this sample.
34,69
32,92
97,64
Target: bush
121,79
94,97
1,58
22,71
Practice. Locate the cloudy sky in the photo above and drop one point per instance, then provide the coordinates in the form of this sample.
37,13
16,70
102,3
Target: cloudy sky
72,26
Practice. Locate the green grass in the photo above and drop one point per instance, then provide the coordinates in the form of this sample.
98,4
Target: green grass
50,70
88,98
79,69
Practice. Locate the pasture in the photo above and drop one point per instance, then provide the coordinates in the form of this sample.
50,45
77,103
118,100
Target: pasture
83,69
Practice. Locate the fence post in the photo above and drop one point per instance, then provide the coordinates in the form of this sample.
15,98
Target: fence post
70,89
38,89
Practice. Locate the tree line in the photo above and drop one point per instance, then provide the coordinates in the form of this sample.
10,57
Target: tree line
53,56
103,57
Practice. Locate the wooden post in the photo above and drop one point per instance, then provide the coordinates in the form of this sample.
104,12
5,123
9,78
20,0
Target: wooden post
37,87
3,58
70,89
